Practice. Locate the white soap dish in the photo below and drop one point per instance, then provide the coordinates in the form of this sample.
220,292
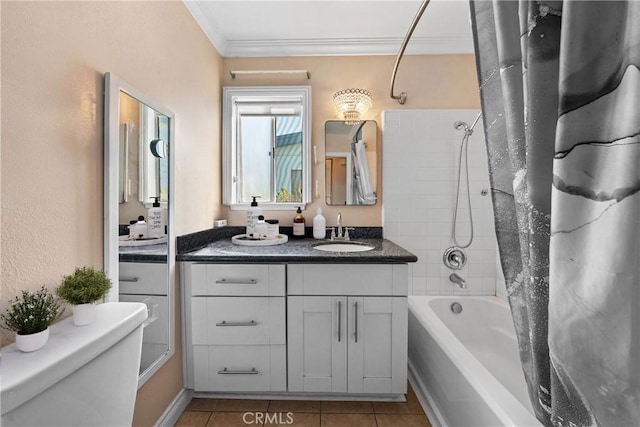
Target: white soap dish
244,240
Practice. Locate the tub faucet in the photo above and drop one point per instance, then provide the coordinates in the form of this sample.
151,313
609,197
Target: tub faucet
458,281
339,224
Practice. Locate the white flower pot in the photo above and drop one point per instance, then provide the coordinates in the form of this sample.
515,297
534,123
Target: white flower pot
84,314
32,342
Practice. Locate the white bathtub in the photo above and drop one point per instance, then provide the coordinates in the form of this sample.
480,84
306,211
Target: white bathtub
466,365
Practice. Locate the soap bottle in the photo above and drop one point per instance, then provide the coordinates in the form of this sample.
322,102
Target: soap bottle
298,224
139,229
252,216
155,219
261,230
319,225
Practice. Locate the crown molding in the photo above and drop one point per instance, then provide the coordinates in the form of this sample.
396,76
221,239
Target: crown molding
207,22
357,46
323,46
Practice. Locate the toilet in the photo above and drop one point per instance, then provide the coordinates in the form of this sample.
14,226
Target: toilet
83,376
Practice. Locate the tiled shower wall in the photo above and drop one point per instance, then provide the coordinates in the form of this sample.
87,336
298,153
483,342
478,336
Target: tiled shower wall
419,172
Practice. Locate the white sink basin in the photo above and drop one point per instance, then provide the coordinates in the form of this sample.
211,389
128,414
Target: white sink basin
343,247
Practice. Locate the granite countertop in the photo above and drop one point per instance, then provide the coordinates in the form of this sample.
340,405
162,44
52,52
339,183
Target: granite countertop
147,253
299,251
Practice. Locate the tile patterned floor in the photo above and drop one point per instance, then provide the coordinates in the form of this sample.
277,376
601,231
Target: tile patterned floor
303,413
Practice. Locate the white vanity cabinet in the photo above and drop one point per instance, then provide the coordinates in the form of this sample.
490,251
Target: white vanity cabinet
235,335
347,328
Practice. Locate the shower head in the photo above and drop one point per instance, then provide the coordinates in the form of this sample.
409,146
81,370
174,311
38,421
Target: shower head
459,124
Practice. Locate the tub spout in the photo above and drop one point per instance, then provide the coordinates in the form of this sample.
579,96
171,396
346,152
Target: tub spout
458,280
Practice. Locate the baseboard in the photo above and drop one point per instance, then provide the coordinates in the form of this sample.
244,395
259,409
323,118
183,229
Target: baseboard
170,416
425,398
302,396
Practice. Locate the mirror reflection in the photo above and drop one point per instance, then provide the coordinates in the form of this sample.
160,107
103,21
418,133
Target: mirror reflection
144,171
138,214
143,178
350,163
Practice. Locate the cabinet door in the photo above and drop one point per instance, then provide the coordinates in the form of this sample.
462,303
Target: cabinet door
317,345
377,354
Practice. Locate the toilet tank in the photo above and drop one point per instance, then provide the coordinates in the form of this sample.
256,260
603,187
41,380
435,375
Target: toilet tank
84,375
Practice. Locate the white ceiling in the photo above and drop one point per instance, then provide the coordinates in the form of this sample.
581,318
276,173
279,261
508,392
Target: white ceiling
244,28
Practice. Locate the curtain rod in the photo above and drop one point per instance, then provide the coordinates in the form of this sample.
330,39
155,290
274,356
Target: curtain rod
402,98
235,73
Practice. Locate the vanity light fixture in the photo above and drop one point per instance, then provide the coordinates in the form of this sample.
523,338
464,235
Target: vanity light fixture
351,103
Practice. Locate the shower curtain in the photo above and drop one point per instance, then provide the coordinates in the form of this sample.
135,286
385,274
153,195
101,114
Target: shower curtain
560,92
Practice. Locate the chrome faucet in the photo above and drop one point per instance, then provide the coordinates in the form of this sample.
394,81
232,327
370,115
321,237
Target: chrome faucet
458,280
340,232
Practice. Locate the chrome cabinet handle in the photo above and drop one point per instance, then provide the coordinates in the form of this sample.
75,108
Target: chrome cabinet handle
225,323
128,279
356,323
225,371
237,281
339,320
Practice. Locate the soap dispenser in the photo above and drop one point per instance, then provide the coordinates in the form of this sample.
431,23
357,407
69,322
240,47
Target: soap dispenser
261,229
319,225
139,230
155,219
298,224
252,216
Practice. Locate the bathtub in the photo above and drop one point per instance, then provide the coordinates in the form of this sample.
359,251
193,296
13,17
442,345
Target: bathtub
465,367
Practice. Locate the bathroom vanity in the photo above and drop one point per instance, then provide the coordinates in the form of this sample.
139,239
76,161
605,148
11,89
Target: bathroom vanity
294,319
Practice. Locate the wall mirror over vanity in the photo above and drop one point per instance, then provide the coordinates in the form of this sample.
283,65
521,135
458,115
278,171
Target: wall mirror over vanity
350,161
139,234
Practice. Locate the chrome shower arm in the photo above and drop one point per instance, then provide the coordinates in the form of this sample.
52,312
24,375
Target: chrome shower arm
402,98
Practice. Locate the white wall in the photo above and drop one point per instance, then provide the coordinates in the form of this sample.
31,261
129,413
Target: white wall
419,171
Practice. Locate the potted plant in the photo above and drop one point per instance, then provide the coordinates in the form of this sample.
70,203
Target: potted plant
82,289
30,317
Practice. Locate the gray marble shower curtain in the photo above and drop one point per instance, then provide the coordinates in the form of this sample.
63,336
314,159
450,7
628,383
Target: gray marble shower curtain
560,92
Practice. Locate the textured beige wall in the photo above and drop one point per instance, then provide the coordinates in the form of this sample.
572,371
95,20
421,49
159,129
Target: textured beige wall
431,81
53,58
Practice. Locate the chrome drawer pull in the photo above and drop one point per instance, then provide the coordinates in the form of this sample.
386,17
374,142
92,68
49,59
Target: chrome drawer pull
128,279
339,320
356,333
225,371
225,323
237,281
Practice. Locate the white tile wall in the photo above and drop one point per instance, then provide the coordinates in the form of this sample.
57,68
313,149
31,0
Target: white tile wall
420,151
501,287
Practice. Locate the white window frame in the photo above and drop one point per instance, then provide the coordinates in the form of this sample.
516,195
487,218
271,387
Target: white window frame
267,94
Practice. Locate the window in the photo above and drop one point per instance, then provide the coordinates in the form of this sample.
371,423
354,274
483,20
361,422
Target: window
266,146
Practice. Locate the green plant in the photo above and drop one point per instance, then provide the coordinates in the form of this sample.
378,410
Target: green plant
32,313
85,286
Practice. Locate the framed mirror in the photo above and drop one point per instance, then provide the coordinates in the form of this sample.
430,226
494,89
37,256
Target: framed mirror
139,234
266,146
351,158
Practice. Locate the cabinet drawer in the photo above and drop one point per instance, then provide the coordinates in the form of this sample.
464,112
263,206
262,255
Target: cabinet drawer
239,368
347,279
143,278
236,279
238,320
